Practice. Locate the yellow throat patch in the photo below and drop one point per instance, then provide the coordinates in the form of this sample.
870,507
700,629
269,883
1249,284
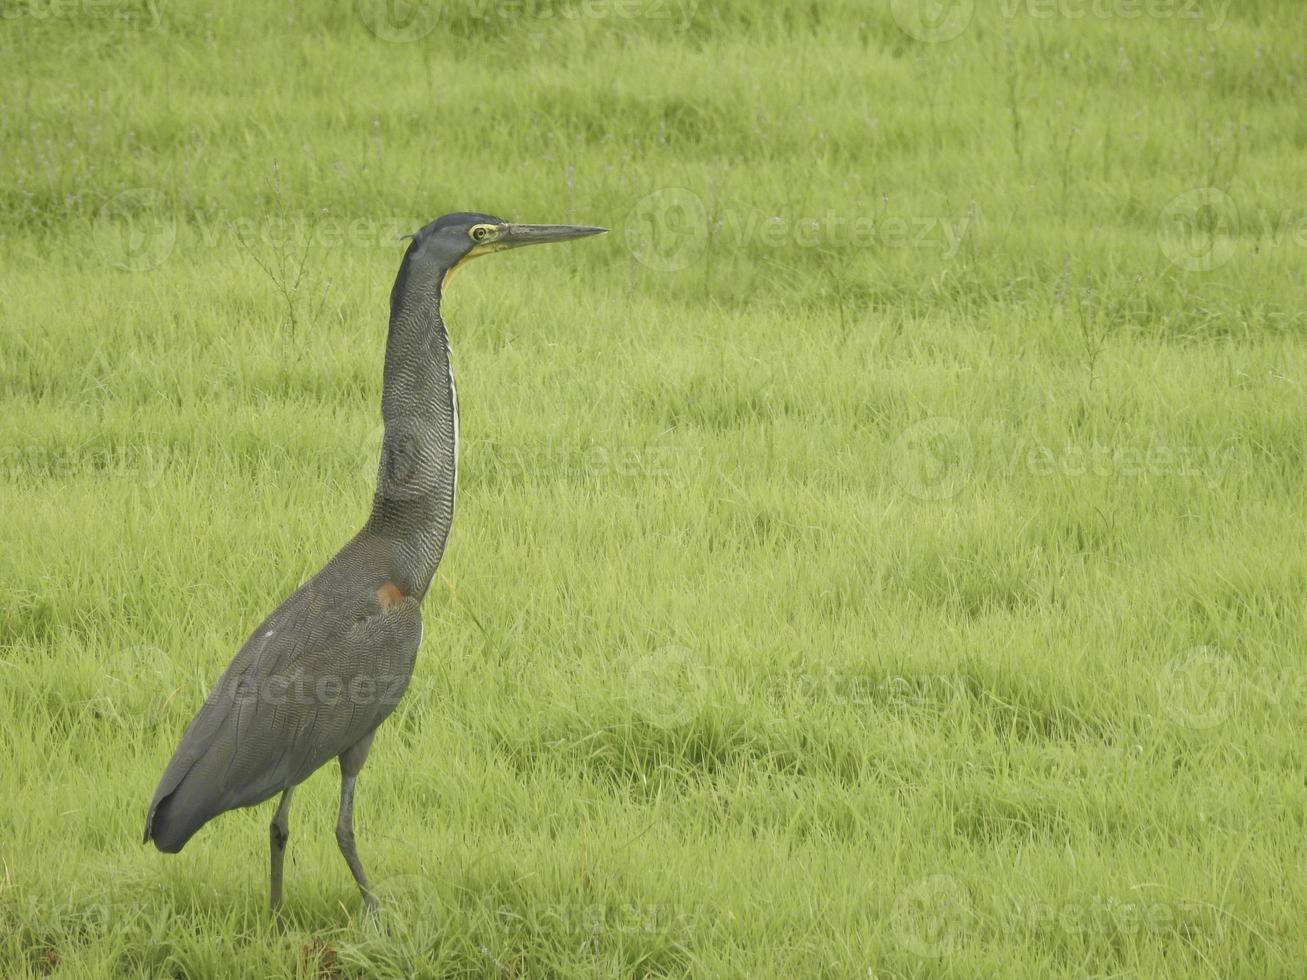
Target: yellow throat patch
477,252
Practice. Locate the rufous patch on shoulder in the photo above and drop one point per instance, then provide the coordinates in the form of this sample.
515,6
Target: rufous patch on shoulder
390,595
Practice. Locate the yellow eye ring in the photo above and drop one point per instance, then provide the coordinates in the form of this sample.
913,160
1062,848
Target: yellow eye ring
481,233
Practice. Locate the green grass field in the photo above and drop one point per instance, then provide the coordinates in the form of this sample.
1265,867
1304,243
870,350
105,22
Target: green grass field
882,555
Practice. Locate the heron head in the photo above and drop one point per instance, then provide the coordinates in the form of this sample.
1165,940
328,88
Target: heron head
451,242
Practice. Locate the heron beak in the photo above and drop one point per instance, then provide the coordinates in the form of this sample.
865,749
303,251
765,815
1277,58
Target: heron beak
516,235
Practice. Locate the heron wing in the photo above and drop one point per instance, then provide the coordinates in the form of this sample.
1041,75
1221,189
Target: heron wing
321,672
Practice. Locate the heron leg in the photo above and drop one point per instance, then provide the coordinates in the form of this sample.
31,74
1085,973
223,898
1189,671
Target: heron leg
351,761
278,834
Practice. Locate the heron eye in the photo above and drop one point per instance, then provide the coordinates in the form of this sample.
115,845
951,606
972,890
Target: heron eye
481,232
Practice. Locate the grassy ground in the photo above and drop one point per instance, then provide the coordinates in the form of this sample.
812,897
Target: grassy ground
881,556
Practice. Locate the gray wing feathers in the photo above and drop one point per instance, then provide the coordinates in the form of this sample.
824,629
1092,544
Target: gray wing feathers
318,675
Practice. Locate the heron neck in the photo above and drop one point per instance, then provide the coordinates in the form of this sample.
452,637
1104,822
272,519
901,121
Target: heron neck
413,508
